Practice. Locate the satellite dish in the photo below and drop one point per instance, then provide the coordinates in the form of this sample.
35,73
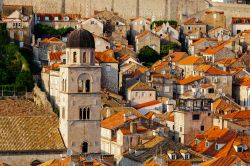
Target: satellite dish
69,152
89,158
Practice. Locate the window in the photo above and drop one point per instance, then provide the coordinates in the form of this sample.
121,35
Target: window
196,117
240,149
189,28
207,144
84,113
143,94
74,57
166,89
92,22
187,156
211,90
202,128
108,68
196,141
63,113
208,114
180,129
46,18
84,57
136,94
80,85
87,86
84,147
179,139
56,18
173,157
216,146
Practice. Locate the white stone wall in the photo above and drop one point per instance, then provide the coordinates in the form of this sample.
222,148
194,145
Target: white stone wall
139,97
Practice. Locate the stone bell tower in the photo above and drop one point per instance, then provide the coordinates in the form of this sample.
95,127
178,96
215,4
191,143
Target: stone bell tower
80,97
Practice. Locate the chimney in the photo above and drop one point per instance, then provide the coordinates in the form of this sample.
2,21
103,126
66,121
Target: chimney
133,127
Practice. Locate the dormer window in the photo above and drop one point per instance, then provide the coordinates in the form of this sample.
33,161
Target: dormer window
207,144
197,141
240,149
173,157
92,22
216,146
187,156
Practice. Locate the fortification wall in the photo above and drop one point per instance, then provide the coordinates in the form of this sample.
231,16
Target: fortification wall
43,6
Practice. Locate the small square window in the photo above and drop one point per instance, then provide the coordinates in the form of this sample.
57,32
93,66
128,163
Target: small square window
202,128
196,117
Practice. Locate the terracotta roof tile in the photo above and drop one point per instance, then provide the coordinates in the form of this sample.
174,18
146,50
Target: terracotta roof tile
140,86
175,56
190,60
202,40
55,56
193,21
238,115
105,57
243,81
179,163
147,104
30,133
126,130
225,161
215,71
189,80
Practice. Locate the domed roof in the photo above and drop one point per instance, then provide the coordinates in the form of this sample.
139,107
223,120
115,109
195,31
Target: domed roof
80,38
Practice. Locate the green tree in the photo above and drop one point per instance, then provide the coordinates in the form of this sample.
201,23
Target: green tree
148,55
24,80
170,46
3,77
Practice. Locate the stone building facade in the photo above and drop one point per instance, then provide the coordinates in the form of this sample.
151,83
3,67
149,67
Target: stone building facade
80,97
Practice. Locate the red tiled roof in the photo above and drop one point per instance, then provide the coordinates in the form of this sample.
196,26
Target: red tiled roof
179,163
202,40
215,71
194,21
244,81
240,20
126,130
55,56
105,57
52,39
238,115
190,60
222,161
147,104
189,80
175,56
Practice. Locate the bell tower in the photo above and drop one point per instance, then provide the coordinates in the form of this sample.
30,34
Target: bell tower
80,97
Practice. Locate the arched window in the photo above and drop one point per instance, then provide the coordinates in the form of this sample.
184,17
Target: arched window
80,85
87,86
84,83
74,57
84,57
84,113
84,147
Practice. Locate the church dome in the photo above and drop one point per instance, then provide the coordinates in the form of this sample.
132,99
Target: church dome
80,38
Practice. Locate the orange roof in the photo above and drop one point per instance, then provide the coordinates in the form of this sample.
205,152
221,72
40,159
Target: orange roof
149,115
55,56
220,104
214,50
215,71
190,60
52,39
175,56
147,104
140,70
202,40
244,81
114,121
141,35
202,67
158,75
126,130
226,61
125,57
193,21
179,163
238,115
225,161
169,117
105,57
159,65
205,86
52,67
189,80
